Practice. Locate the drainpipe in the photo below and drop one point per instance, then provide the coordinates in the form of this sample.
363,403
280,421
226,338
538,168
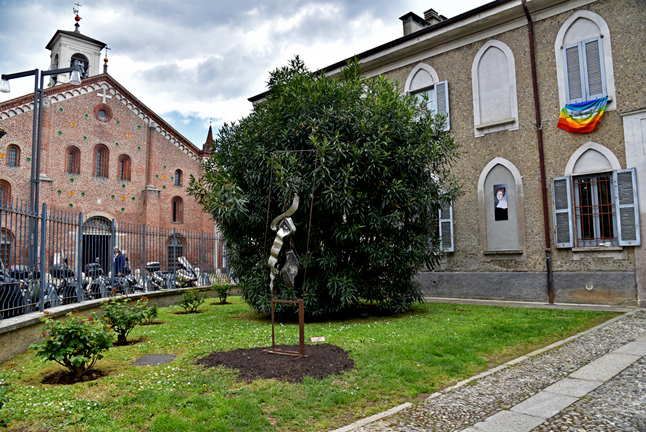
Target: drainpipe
541,157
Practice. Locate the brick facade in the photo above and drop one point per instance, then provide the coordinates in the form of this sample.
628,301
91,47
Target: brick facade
129,130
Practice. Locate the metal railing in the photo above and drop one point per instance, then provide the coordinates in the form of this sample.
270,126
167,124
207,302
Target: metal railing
74,258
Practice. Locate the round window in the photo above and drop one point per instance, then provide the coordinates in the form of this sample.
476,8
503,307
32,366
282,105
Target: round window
102,112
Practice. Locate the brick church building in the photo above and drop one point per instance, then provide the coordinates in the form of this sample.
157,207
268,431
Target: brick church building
104,153
108,157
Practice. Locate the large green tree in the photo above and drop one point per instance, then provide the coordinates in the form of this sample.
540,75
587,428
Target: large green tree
373,184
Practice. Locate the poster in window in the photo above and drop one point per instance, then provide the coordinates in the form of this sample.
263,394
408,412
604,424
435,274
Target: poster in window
500,202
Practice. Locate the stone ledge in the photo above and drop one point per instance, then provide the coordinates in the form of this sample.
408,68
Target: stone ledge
503,252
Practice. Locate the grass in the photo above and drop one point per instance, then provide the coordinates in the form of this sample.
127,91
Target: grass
397,359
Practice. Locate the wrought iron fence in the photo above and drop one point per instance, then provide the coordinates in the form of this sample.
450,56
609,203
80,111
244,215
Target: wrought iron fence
58,257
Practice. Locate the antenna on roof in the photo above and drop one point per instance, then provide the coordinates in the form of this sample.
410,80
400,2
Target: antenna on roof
77,18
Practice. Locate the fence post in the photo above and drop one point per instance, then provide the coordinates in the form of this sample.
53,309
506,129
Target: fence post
113,244
143,267
174,253
202,255
79,260
43,233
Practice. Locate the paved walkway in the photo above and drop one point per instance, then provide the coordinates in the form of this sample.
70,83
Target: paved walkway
593,381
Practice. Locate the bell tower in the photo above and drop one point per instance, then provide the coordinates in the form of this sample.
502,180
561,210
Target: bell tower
68,47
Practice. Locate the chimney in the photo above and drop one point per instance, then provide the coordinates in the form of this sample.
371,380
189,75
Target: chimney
432,17
412,23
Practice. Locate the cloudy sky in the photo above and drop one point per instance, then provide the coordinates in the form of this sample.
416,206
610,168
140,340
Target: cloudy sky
196,60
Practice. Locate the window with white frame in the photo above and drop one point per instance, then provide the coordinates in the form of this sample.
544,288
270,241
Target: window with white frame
423,82
584,60
596,210
445,225
493,83
585,78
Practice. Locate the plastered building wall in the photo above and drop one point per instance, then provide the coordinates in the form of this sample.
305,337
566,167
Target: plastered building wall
580,275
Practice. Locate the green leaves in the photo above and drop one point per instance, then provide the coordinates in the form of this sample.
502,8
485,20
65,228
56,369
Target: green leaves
75,343
378,166
122,318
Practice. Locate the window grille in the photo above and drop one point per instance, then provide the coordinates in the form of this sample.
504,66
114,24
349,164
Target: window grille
595,211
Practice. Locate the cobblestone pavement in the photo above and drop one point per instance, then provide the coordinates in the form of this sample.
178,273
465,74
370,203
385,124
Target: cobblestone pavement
618,403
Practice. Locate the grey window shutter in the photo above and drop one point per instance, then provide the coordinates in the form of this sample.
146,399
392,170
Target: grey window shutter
562,210
442,96
573,74
625,184
595,78
446,227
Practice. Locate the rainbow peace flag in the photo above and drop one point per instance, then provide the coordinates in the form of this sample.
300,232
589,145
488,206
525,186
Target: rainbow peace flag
582,117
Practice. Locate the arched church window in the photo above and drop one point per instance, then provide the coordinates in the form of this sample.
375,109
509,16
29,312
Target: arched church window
14,156
124,167
178,177
175,250
101,158
178,210
73,160
5,193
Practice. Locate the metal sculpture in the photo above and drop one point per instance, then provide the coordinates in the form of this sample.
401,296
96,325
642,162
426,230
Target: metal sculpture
285,226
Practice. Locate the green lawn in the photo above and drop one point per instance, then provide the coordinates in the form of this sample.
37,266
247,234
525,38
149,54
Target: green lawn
397,359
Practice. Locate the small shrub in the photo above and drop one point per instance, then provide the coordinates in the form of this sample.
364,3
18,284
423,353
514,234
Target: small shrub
4,388
191,300
121,317
76,343
149,312
222,289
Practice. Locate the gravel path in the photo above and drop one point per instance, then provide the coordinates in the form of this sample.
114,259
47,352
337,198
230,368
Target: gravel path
617,405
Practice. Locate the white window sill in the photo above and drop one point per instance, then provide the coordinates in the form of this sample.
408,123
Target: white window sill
598,249
503,252
495,123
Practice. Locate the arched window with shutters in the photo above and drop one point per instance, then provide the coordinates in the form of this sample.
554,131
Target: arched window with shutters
595,203
73,160
423,81
177,210
178,177
584,60
101,160
13,155
124,167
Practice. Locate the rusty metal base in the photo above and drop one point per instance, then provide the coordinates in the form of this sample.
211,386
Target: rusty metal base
295,354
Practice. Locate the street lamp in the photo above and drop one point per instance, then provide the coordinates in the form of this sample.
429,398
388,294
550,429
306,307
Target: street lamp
39,78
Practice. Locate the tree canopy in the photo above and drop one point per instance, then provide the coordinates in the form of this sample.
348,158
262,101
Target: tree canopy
370,164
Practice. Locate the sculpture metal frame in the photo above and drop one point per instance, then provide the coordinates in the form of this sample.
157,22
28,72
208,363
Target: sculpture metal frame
285,227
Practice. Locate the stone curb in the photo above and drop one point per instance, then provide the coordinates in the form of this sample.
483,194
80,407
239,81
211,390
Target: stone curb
462,383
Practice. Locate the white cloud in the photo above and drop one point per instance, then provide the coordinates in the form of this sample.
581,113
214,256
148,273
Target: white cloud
201,59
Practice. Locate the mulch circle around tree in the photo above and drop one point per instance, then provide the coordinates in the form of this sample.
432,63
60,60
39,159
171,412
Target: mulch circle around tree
189,313
62,377
252,364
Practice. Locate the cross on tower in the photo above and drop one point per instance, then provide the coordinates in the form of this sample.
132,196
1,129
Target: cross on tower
76,9
104,95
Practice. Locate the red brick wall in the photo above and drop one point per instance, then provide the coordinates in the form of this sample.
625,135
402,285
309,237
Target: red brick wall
73,121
